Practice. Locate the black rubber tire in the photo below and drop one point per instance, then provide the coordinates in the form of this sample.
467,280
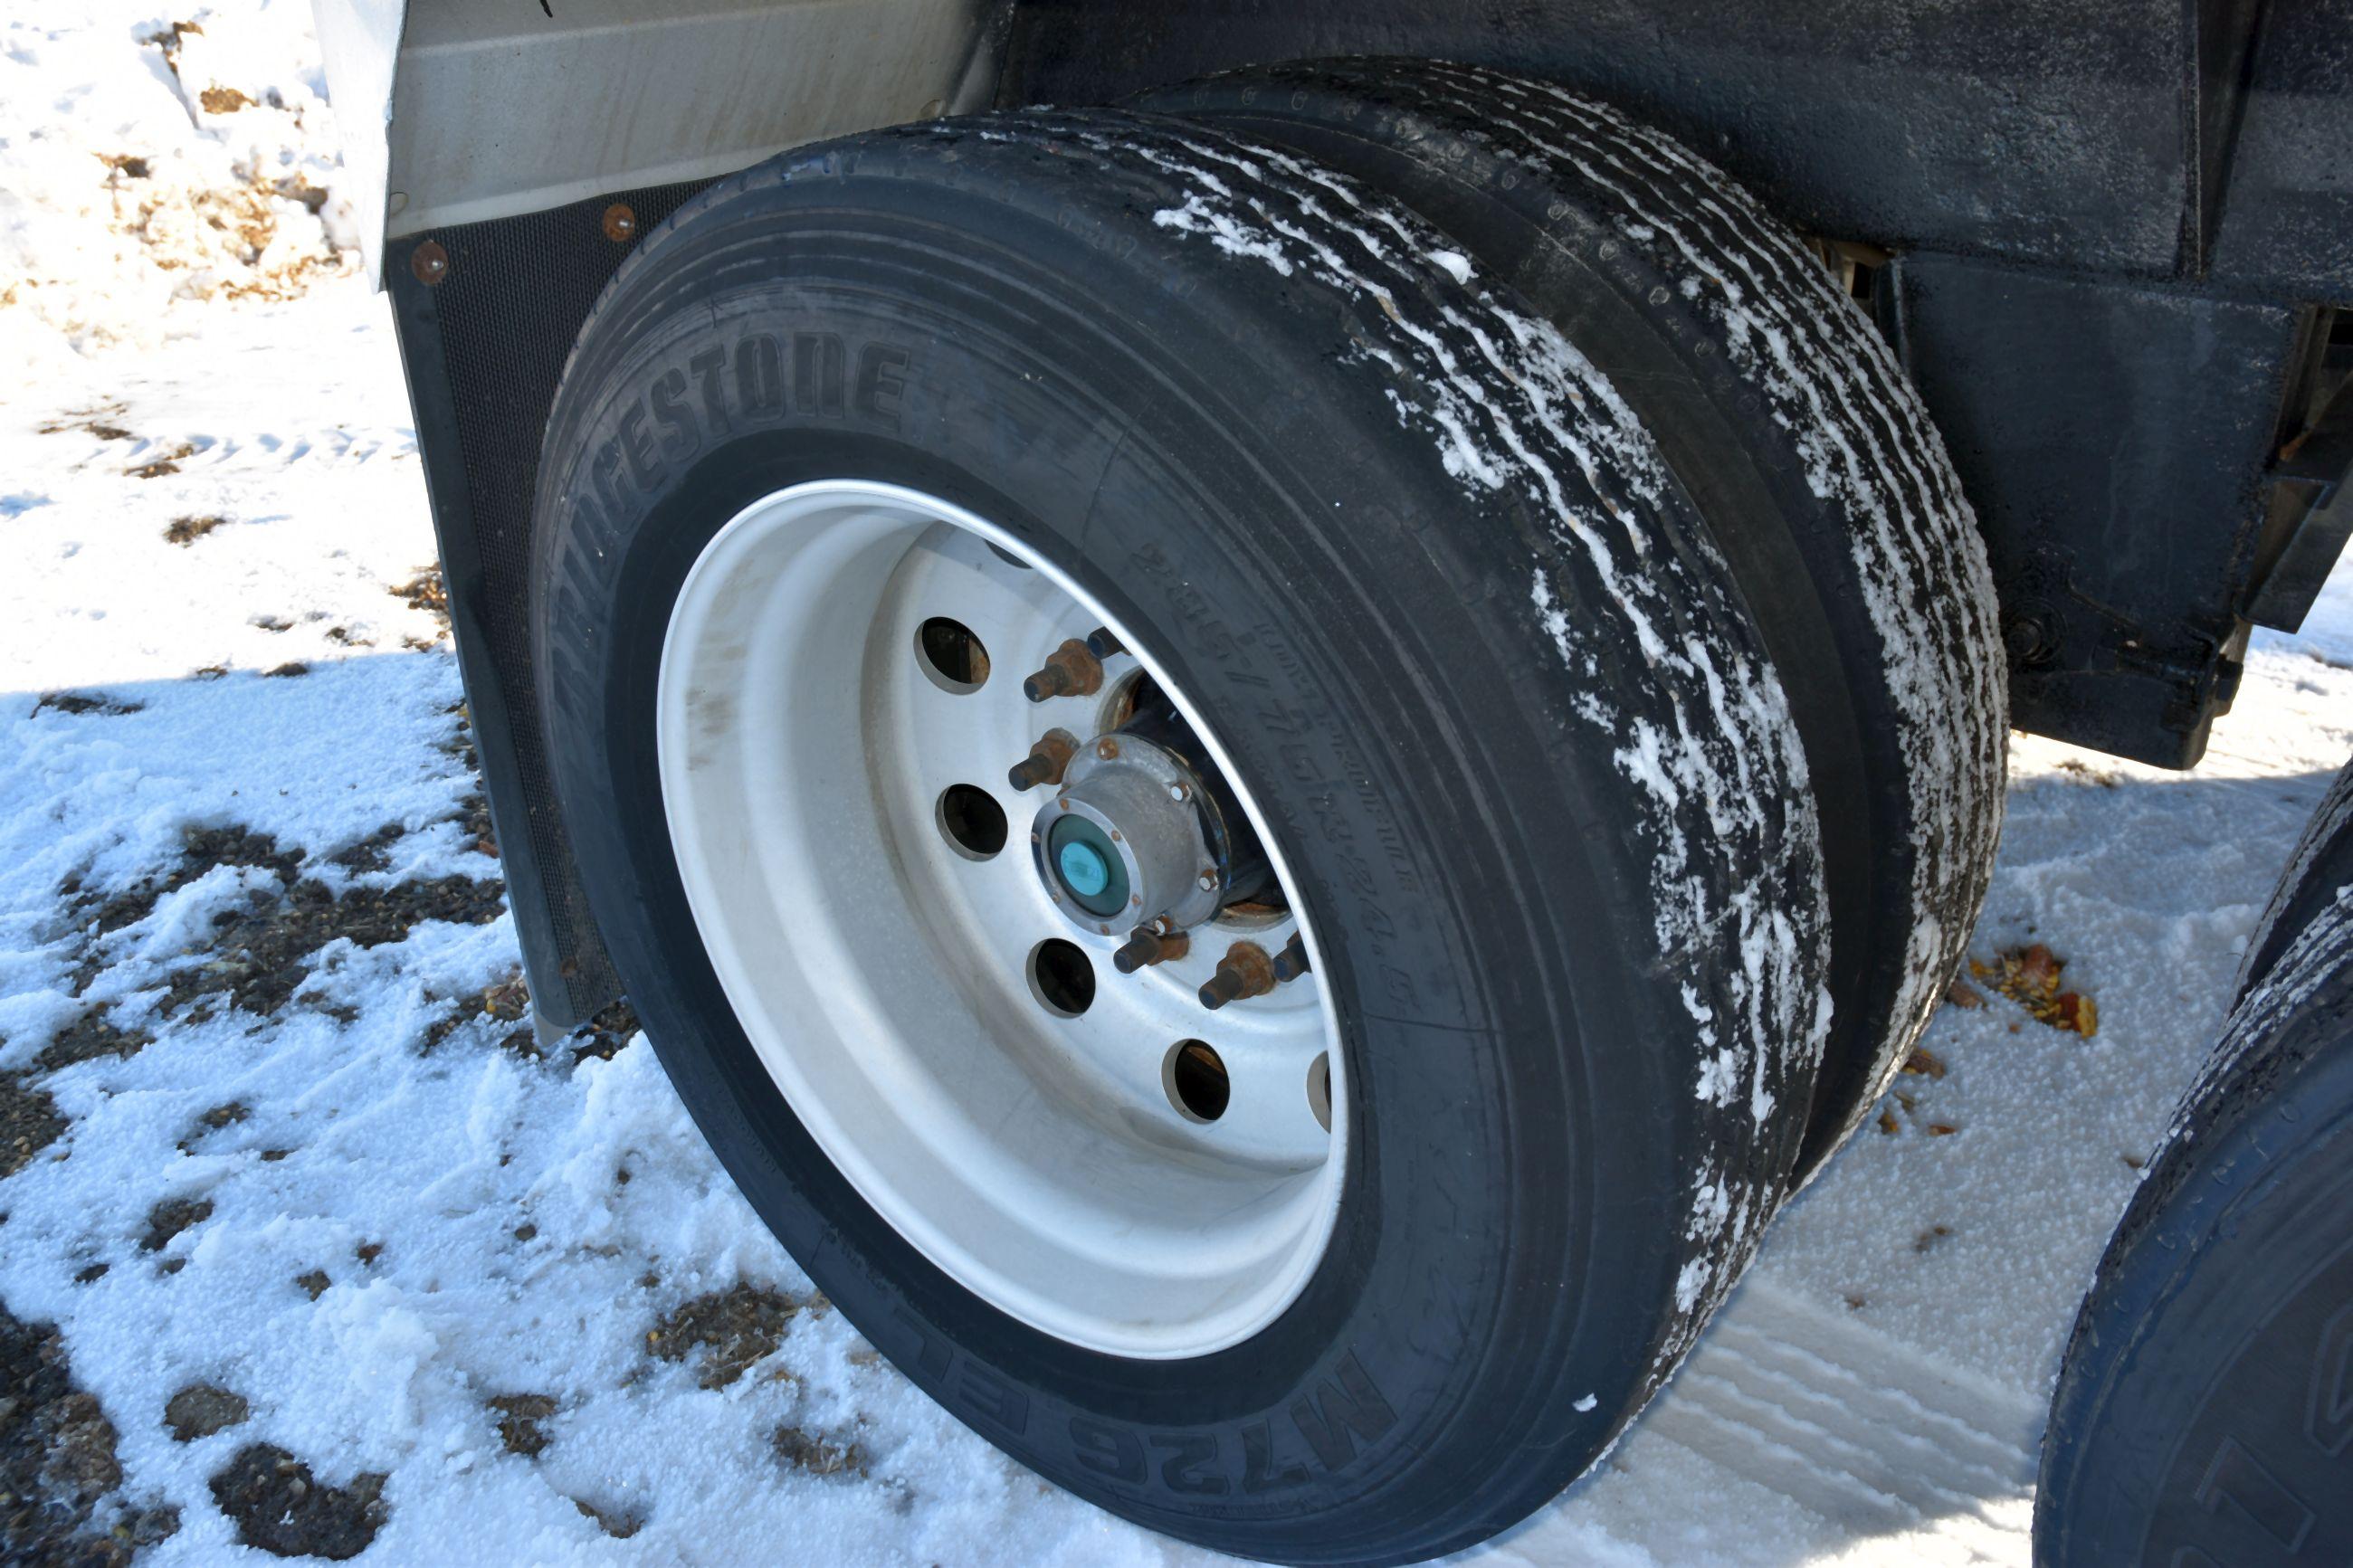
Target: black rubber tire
1789,423
2321,867
1462,638
2204,1412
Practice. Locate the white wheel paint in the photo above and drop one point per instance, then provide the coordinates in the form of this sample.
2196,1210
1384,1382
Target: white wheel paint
881,973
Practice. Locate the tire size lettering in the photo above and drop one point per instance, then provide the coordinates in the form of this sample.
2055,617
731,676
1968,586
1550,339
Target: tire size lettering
1335,1419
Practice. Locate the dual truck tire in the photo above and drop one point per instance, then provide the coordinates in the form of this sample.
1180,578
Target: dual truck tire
1552,582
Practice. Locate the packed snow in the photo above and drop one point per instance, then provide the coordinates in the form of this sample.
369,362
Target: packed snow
291,1196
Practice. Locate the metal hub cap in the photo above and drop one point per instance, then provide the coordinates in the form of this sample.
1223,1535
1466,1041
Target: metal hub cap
1097,1084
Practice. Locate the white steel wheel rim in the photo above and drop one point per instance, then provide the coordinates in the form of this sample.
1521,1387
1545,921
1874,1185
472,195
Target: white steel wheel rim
883,972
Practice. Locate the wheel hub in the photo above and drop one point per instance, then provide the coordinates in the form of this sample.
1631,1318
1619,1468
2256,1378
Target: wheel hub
1125,843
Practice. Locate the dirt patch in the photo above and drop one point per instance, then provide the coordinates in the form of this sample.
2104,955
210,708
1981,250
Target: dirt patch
213,1121
89,1036
99,421
188,530
815,1455
80,702
205,847
223,99
474,817
168,40
260,951
202,1409
619,1523
2102,777
315,1284
57,1465
519,1418
733,1328
170,1217
2030,976
603,1035
29,1123
509,1002
292,667
372,853
425,592
279,1506
169,463
263,953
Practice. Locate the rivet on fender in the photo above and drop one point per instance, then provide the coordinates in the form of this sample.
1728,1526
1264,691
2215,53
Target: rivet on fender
429,263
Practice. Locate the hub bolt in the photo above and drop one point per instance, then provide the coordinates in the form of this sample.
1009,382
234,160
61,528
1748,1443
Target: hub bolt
1148,945
1209,882
1244,972
1049,755
1292,961
1070,671
1106,748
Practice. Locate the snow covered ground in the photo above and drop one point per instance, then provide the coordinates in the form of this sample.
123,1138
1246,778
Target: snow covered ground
301,1237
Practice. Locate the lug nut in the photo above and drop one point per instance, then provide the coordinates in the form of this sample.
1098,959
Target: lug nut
1049,755
1209,882
1148,945
1070,671
1292,961
1102,644
1244,972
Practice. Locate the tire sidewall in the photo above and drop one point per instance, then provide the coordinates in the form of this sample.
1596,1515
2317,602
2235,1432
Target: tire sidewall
1234,1435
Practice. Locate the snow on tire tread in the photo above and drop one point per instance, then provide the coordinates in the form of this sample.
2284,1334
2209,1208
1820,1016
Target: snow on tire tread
1825,375
1702,734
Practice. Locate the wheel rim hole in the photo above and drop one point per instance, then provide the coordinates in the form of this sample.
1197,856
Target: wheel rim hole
1319,1089
972,821
951,655
1194,1077
1061,977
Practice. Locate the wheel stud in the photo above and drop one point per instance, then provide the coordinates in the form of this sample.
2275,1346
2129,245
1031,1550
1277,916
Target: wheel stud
1049,755
1148,945
1070,671
1292,961
1103,643
1244,972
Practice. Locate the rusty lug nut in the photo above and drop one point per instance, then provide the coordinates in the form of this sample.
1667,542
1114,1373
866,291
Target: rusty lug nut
1292,961
1049,755
1107,748
1103,643
620,223
1070,671
429,263
1148,945
1244,972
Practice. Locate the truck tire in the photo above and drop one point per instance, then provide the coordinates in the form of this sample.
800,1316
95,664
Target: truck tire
1782,413
1357,1247
2321,867
2204,1411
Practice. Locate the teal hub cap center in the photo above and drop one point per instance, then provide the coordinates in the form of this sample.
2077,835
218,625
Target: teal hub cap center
1087,865
1084,870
